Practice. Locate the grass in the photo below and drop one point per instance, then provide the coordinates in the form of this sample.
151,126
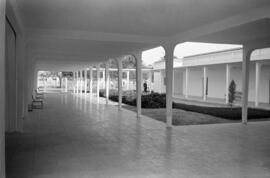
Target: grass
153,105
180,117
233,113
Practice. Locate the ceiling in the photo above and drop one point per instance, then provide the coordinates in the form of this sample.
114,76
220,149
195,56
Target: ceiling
142,17
95,30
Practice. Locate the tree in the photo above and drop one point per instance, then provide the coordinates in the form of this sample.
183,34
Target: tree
232,89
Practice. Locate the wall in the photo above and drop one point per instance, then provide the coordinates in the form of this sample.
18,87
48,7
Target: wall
159,86
195,87
11,80
217,81
157,81
178,82
2,88
264,90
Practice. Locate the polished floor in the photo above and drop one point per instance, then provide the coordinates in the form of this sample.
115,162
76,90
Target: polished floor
76,136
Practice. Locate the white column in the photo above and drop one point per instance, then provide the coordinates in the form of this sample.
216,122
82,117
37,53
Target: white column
120,75
45,85
73,83
204,83
107,81
66,84
103,78
245,78
169,83
77,82
85,81
20,55
91,81
2,87
228,79
81,81
98,79
150,75
138,57
187,82
257,83
35,79
128,80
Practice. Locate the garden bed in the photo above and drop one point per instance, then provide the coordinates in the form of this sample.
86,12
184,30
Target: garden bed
157,101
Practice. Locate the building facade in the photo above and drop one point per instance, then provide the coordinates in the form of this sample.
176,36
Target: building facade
207,77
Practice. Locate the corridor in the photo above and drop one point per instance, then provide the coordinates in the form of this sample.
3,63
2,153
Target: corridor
78,137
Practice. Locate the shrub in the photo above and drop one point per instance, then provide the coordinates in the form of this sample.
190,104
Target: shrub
227,113
154,100
232,89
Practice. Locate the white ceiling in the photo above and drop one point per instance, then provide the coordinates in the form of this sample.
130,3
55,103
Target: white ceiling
142,17
95,30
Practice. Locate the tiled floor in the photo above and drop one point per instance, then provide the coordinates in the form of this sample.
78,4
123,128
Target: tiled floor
75,138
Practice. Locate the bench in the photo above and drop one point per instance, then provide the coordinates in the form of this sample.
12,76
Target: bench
39,95
37,103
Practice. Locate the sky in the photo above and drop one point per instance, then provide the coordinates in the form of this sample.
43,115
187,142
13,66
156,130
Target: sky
184,49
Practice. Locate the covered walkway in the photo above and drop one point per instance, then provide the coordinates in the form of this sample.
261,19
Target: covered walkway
75,137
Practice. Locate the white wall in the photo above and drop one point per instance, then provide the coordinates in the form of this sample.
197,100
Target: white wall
264,92
2,88
11,81
157,81
217,81
195,81
159,86
178,82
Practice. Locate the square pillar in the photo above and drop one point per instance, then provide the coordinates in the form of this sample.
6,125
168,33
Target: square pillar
85,81
98,80
150,77
45,85
77,82
107,81
73,82
204,83
245,78
187,82
169,49
228,79
257,83
81,81
66,84
120,76
103,79
127,80
91,81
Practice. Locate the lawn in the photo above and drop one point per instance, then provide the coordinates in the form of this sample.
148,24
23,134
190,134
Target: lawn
180,117
153,105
